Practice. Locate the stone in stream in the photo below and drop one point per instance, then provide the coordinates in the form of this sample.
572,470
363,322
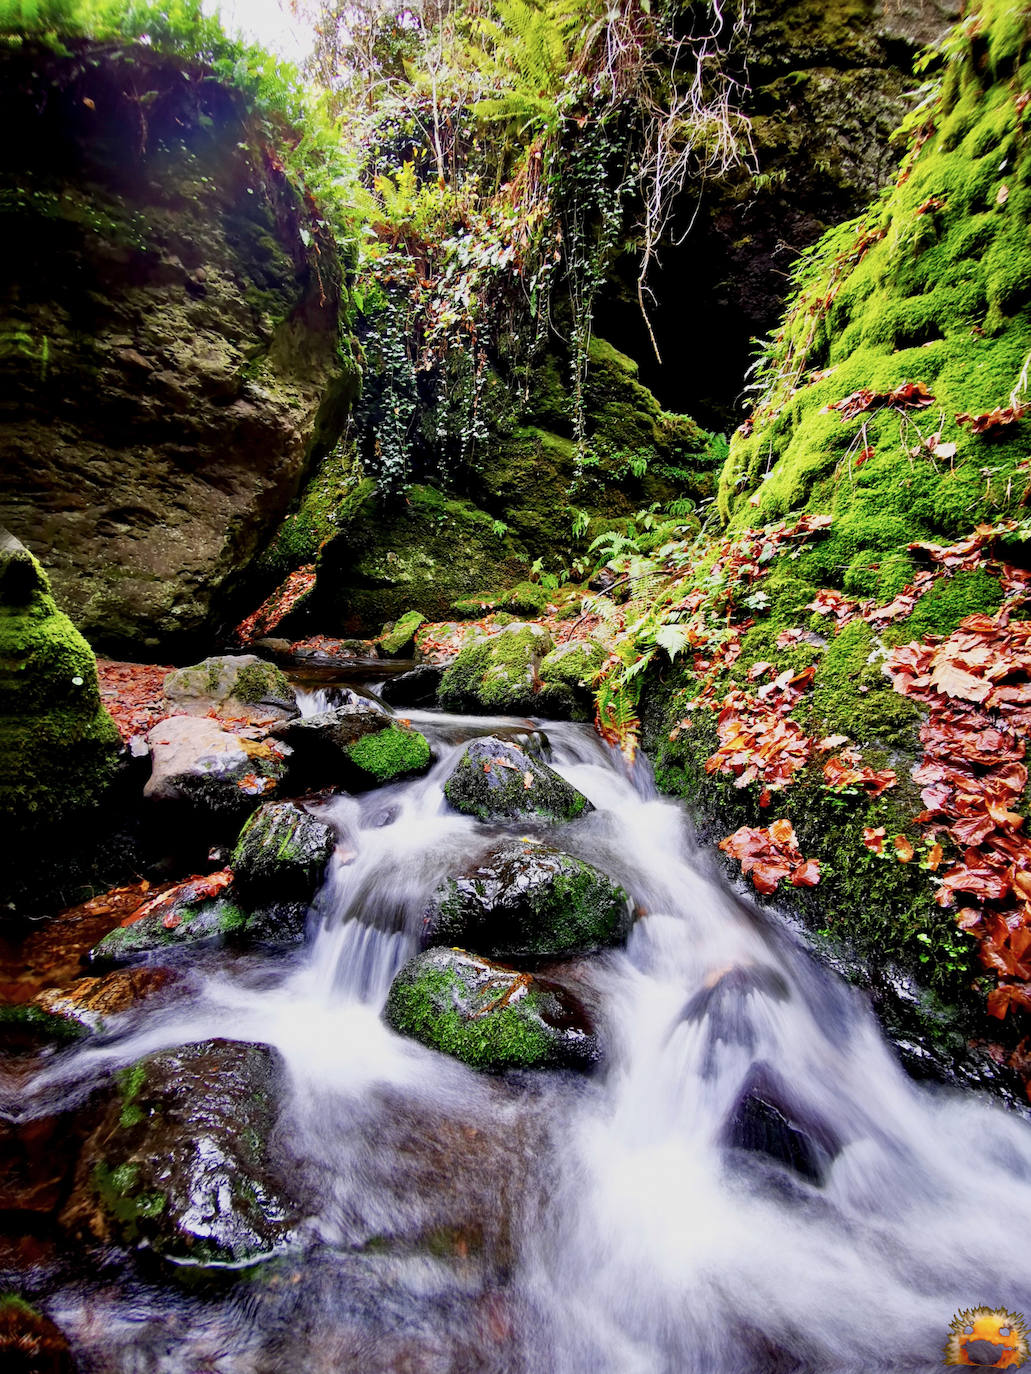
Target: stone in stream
526,900
496,779
418,687
209,770
88,1003
179,1165
767,1121
282,852
234,686
501,673
398,639
572,668
388,756
354,747
489,1016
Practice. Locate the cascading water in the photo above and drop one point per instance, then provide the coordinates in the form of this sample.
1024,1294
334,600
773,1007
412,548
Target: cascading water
548,1222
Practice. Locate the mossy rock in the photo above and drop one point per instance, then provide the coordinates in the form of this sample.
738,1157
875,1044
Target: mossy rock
496,779
526,900
388,756
24,1026
488,1016
58,746
320,743
501,673
282,852
571,668
189,923
179,1165
400,636
227,682
211,772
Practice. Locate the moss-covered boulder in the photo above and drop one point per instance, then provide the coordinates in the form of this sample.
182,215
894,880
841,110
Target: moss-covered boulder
496,779
58,746
180,1164
234,686
211,771
398,639
188,922
571,668
319,743
282,853
526,900
525,598
394,753
501,673
487,1015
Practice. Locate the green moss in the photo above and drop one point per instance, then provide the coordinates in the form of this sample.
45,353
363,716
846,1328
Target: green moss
34,1021
130,1083
940,610
392,753
426,1009
258,682
402,633
14,1305
573,666
498,673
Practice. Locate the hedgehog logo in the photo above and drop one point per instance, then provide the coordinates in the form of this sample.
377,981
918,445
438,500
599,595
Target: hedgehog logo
987,1338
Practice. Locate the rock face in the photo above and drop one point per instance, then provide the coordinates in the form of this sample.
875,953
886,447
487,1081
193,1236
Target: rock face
30,1343
232,685
58,745
179,1165
497,780
489,1016
526,900
169,326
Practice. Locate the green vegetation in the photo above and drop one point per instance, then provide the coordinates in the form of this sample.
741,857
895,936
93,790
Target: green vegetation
390,754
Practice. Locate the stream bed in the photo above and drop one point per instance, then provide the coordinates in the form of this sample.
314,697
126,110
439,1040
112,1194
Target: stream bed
628,1221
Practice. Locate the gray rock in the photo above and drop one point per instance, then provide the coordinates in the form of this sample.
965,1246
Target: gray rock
233,685
197,762
526,900
415,688
495,780
282,852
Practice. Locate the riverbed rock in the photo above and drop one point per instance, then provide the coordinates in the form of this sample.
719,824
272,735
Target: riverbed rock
496,779
235,686
394,753
526,900
398,639
89,1003
58,746
282,852
489,1016
418,687
30,1343
320,742
188,922
501,673
768,1121
196,762
172,316
179,1164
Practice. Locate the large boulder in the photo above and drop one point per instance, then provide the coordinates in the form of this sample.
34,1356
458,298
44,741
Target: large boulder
501,672
170,330
282,852
489,1016
571,668
179,1165
195,762
236,686
58,746
496,779
526,900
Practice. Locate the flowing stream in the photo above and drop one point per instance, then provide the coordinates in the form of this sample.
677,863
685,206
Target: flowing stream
554,1222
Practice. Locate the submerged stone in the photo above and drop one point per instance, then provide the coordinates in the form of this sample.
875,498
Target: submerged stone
89,1002
232,685
180,1165
526,900
489,1016
282,852
496,779
766,1121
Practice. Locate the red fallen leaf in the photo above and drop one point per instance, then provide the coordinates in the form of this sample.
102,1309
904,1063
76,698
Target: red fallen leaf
971,830
934,857
995,419
968,917
766,875
874,839
757,670
783,833
1007,995
911,396
788,637
196,889
765,797
254,785
903,849
863,456
807,874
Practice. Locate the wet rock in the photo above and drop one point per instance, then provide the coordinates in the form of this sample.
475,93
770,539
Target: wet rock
30,1343
525,598
37,1158
571,668
188,922
489,1016
194,761
25,1028
501,672
496,779
282,852
526,900
236,686
180,1164
388,756
89,1002
415,688
320,742
398,639
768,1122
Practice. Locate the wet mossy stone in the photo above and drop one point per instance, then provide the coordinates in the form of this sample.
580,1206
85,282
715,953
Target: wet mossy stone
230,684
180,1166
206,922
320,742
569,670
398,640
27,1027
499,672
496,779
526,900
489,1016
390,755
282,852
58,746
415,688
